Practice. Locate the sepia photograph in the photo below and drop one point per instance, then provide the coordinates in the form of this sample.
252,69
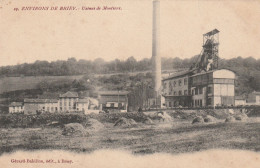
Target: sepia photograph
120,83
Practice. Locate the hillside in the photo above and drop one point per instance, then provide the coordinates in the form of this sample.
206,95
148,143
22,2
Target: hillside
61,74
29,82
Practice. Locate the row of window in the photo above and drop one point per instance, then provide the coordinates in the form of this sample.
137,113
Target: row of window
197,103
174,83
180,93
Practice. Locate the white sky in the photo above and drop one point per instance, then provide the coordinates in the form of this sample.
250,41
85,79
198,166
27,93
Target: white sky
27,36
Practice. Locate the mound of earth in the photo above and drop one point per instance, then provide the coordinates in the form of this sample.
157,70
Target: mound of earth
230,119
241,117
124,122
74,129
198,119
93,124
148,121
209,118
164,117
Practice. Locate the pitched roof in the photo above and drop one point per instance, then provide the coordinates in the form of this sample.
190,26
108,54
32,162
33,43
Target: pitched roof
178,74
16,104
85,100
34,100
51,101
70,94
113,93
239,98
256,93
40,101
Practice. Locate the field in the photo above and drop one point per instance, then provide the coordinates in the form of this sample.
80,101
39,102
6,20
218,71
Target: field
177,136
28,82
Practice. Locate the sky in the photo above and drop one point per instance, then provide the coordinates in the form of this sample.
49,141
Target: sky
27,36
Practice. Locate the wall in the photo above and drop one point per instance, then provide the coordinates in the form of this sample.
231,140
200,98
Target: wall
16,109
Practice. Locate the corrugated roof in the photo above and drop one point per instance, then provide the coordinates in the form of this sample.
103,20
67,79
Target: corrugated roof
16,104
70,94
113,93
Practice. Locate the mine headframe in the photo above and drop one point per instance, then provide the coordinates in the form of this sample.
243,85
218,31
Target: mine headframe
208,58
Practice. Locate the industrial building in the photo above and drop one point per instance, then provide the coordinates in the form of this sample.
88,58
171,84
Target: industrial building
204,85
113,101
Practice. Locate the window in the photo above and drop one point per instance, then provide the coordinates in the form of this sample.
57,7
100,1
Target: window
180,82
60,108
170,104
174,83
209,89
209,101
175,93
196,91
185,81
164,85
180,93
200,91
69,103
185,92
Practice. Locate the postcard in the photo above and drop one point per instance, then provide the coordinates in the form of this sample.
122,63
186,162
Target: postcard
130,83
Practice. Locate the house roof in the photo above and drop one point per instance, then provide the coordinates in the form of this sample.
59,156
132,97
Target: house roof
256,93
70,94
121,93
178,74
16,104
239,98
40,101
34,100
85,100
205,72
51,101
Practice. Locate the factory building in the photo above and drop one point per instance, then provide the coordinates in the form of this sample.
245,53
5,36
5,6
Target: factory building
204,89
113,101
213,88
176,89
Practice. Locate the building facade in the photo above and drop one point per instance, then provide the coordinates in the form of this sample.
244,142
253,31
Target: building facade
16,107
113,101
176,90
190,89
68,102
213,88
254,98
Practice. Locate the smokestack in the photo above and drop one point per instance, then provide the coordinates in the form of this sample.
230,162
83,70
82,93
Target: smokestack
156,47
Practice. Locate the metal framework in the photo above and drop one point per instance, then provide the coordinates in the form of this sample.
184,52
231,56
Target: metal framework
208,59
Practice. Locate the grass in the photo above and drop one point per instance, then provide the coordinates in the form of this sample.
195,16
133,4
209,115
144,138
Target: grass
29,82
178,137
